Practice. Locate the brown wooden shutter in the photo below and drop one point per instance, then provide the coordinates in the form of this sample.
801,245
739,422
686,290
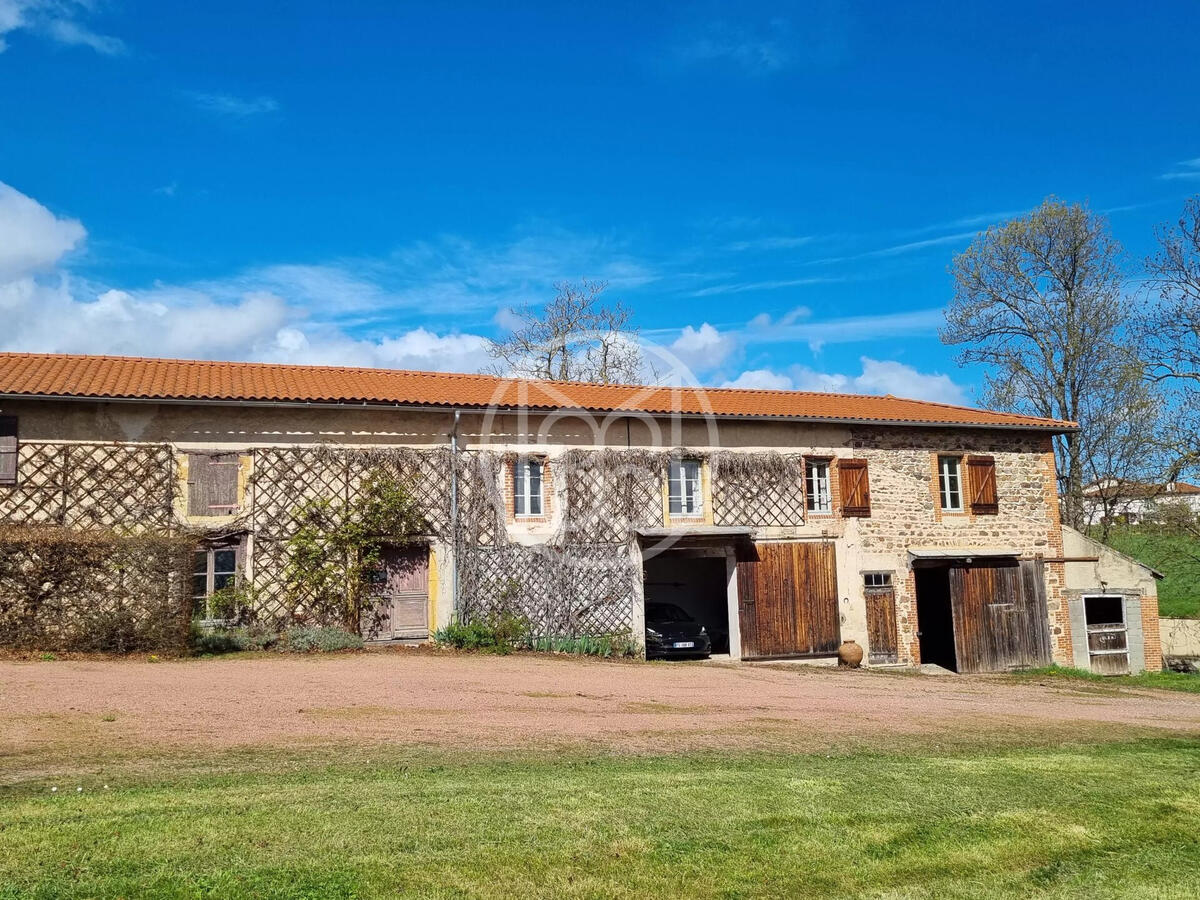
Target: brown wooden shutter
981,474
8,449
212,484
856,487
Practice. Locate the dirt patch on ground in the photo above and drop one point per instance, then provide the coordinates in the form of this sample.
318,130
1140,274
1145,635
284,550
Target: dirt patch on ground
78,708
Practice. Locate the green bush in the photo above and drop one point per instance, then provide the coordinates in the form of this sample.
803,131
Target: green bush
496,633
211,641
312,639
606,646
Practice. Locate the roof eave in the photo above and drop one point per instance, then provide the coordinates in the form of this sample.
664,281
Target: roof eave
1045,428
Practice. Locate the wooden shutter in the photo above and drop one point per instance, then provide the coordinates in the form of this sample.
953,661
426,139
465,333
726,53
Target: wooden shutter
981,476
212,484
8,449
856,487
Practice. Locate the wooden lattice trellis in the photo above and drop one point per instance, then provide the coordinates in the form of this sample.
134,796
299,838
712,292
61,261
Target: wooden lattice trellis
285,478
611,493
560,590
759,490
126,487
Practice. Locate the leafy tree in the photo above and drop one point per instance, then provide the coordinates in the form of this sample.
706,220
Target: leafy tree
1039,301
575,337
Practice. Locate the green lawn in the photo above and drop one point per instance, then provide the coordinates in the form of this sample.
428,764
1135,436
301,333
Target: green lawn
1170,681
1120,820
1177,556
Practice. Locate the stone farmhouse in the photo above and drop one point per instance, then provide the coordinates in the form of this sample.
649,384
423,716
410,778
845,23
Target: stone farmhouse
787,522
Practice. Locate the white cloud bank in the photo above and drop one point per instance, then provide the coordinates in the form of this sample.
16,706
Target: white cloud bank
876,377
57,20
260,316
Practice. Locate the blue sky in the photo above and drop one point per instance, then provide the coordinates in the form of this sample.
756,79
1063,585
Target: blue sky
775,189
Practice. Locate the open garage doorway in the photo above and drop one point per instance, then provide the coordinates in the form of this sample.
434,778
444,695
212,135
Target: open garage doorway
935,617
695,582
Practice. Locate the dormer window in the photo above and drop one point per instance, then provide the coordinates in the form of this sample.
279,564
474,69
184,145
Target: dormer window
685,488
527,487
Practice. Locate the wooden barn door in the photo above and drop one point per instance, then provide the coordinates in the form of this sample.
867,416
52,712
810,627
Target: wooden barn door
788,602
1000,617
401,593
882,643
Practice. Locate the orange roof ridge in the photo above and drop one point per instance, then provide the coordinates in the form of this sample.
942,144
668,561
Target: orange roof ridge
147,378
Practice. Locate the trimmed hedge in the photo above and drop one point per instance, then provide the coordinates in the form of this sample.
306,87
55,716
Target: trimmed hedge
93,591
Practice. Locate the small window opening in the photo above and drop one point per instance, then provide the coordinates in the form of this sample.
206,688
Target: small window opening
684,488
527,487
950,483
816,485
877,579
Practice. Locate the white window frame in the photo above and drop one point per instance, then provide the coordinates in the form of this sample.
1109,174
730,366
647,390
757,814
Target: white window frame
528,502
210,573
950,484
685,488
818,497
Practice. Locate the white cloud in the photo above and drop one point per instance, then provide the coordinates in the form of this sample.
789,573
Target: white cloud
761,379
279,314
876,377
1185,170
57,20
31,237
702,349
234,107
756,50
743,287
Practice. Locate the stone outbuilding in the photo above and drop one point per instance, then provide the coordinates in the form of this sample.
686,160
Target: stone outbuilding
1112,601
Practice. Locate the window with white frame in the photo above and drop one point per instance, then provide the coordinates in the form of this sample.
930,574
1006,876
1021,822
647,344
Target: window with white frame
685,489
878,580
816,486
527,487
950,483
215,570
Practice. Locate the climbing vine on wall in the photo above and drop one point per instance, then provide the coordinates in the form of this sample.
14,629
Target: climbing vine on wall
337,544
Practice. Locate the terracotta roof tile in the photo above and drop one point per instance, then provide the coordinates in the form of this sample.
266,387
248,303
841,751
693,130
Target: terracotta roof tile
116,377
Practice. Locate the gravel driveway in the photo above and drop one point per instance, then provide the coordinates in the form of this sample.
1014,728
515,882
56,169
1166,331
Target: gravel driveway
424,697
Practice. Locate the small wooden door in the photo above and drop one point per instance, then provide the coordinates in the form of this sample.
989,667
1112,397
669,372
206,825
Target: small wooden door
788,602
400,595
882,644
1000,617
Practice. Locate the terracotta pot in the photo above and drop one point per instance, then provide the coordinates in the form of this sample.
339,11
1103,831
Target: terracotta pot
850,654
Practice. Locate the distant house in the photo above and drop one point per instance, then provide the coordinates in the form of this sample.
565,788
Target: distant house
785,522
1134,502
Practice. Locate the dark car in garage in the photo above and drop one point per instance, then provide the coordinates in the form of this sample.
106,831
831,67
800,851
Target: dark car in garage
671,632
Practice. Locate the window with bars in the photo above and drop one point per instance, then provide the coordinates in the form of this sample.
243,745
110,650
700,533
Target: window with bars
215,569
950,483
816,486
527,487
8,450
685,488
877,579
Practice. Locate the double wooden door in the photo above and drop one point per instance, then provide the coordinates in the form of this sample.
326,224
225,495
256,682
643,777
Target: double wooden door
1000,616
788,601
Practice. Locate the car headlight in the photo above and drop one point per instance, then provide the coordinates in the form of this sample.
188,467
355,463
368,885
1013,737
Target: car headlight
703,630
653,635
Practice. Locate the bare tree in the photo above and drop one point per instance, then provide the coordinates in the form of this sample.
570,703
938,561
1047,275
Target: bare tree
1174,323
1171,329
575,337
1038,300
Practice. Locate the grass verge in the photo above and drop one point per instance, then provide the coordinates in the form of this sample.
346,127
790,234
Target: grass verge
1101,821
1177,556
1169,681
